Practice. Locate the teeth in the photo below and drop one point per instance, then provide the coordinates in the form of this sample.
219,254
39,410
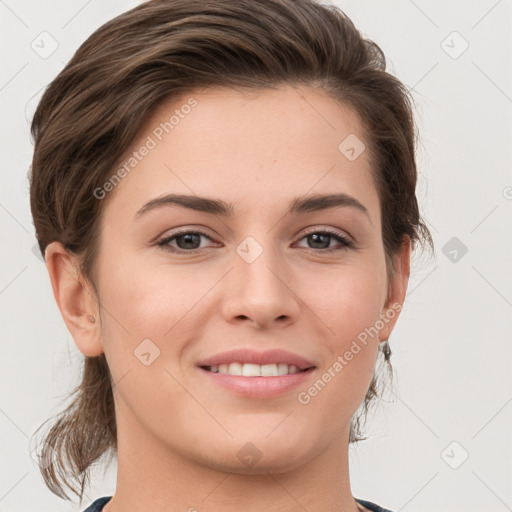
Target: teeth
255,370
247,370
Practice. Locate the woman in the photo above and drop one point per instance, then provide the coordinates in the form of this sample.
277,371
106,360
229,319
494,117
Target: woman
224,194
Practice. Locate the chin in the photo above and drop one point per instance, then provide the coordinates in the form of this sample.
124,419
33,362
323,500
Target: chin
261,455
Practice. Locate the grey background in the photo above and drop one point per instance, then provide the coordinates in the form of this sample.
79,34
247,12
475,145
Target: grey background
452,349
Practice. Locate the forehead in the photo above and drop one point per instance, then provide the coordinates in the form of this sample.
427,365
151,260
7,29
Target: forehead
239,145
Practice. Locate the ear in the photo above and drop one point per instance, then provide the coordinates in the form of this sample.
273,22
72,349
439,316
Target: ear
75,298
397,289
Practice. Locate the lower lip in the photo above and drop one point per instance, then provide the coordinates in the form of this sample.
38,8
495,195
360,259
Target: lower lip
259,387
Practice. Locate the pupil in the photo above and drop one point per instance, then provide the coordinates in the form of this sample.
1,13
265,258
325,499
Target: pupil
318,236
188,238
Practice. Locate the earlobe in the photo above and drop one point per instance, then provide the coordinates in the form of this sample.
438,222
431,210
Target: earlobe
74,298
397,289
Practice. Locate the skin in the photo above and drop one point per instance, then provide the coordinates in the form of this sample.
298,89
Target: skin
178,434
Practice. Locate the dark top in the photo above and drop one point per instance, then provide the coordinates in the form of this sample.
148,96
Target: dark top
101,502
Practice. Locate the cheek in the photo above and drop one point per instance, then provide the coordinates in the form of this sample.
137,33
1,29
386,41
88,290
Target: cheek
147,319
350,313
351,302
145,300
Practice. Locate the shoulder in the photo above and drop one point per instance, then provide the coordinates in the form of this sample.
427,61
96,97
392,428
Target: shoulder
373,507
98,504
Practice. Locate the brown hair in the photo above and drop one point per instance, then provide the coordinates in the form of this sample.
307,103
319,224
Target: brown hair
92,111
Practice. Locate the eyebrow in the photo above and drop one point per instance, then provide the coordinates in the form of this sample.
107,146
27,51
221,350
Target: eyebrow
299,205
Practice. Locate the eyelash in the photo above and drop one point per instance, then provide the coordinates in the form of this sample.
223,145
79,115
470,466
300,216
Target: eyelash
344,241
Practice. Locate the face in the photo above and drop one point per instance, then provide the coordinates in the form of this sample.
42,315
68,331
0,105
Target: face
263,265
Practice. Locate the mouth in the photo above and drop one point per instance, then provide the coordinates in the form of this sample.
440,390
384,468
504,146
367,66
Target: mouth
250,373
252,381
256,370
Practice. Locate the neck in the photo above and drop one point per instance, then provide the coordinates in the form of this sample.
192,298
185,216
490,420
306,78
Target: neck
153,477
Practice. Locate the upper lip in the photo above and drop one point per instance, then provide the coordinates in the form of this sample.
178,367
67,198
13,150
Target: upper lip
242,356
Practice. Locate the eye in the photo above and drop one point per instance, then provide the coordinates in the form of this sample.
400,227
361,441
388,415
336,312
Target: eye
187,241
190,241
321,240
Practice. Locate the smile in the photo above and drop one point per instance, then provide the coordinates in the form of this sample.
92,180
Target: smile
255,370
251,381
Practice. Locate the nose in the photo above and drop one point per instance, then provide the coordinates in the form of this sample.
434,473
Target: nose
260,291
